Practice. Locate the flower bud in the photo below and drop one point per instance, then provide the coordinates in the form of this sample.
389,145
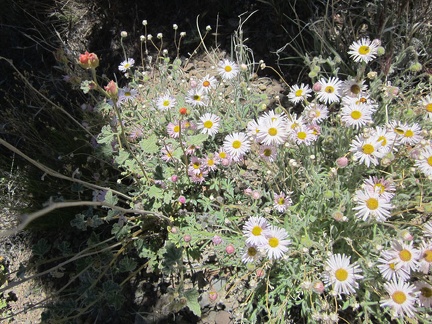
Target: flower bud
187,238
217,240
89,60
144,22
123,34
112,89
230,249
342,162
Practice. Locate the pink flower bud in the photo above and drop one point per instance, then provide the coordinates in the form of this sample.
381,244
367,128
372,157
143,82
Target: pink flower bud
174,230
213,295
342,162
88,60
230,249
174,178
216,240
187,238
112,89
260,273
317,87
182,199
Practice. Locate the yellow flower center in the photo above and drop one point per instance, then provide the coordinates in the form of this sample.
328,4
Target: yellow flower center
372,203
427,255
273,242
329,89
383,140
196,98
429,160
210,162
196,165
341,274
228,68
409,133
429,107
206,84
267,152
392,266
256,230
368,149
176,129
356,114
128,94
236,144
301,135
299,93
281,201
355,88
272,131
252,251
364,50
399,297
208,124
405,255
426,292
222,155
166,103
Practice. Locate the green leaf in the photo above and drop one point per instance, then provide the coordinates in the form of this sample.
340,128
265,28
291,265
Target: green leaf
197,139
155,192
41,247
106,136
79,222
172,256
149,145
192,301
110,198
127,265
122,157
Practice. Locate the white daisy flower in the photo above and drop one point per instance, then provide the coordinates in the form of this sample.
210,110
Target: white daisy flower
406,134
363,50
272,116
254,230
165,102
405,254
207,83
371,205
282,201
209,124
424,162
386,138
356,116
211,162
167,153
329,91
425,261
402,296
197,98
251,254
303,135
342,275
228,69
352,87
272,132
366,150
425,293
126,65
389,269
174,129
195,166
276,243
268,152
299,93
384,188
315,113
127,95
426,104
236,145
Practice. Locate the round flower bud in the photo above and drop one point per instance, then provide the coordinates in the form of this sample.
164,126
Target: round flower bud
317,87
144,22
183,111
416,67
380,51
182,199
230,249
123,34
112,89
159,35
213,295
208,28
187,238
182,34
217,240
342,162
175,27
318,287
142,38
